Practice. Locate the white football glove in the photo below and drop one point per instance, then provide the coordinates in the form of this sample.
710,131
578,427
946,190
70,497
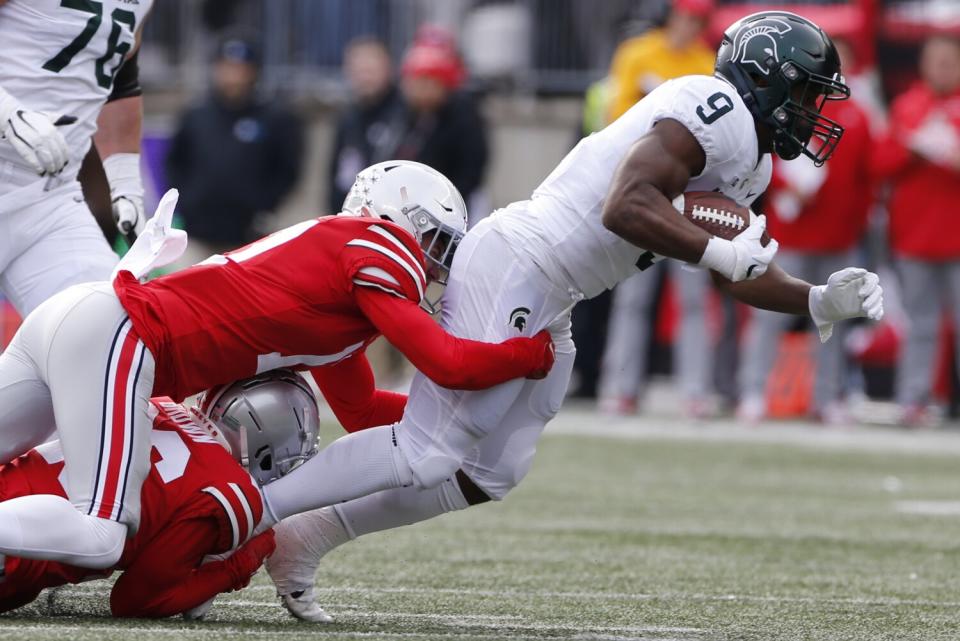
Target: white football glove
34,135
742,258
849,293
126,192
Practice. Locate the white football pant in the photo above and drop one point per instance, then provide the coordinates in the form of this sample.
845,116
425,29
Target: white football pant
76,367
493,294
49,240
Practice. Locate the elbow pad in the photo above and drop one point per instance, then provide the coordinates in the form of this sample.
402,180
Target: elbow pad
126,82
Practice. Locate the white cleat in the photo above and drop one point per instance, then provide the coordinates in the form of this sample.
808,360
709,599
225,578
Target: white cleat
303,605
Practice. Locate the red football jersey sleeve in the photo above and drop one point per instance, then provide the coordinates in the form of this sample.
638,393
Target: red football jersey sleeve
286,300
387,258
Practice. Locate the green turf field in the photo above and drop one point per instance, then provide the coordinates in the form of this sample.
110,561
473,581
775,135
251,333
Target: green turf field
653,531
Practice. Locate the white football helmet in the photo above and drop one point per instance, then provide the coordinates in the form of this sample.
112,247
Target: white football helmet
270,421
422,201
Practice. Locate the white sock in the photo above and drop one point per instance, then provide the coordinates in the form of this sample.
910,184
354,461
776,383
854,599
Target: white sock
398,507
304,539
48,527
352,466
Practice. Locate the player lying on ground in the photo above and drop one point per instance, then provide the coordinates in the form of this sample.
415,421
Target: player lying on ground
200,497
603,214
85,364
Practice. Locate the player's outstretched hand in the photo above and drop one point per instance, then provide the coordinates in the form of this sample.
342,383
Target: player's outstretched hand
743,258
546,351
36,138
849,293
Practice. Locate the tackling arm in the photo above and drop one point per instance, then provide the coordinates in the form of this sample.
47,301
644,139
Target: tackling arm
349,388
451,362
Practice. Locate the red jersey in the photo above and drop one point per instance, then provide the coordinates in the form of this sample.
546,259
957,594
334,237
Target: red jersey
286,300
313,295
924,195
196,501
835,217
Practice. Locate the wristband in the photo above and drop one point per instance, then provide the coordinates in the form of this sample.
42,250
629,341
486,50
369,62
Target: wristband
123,174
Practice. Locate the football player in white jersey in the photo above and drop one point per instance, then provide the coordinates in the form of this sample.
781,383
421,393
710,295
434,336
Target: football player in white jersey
603,214
59,65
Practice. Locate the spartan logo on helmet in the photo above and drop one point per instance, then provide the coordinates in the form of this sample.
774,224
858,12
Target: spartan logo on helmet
756,46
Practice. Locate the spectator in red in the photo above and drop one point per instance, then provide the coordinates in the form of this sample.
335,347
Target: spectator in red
443,127
818,214
921,159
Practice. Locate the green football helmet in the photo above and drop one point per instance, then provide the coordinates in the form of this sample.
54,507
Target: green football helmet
785,68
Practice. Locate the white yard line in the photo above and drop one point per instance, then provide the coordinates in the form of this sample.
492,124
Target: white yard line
928,508
581,419
537,594
326,631
621,596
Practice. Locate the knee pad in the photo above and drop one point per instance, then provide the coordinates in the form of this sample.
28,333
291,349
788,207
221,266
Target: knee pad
433,469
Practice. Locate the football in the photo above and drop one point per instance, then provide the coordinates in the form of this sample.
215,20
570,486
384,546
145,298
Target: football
715,213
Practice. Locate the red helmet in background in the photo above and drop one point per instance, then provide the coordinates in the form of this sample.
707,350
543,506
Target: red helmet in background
434,54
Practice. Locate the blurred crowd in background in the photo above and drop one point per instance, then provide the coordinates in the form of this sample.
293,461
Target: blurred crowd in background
247,91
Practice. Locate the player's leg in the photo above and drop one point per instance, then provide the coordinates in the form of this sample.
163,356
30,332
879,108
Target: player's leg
495,466
829,380
100,377
761,347
304,539
952,269
624,362
440,426
26,409
61,246
922,287
694,346
503,458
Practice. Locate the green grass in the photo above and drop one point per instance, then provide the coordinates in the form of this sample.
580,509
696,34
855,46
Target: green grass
635,538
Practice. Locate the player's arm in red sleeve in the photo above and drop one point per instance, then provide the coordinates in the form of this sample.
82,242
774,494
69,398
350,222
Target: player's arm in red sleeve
168,578
349,388
455,363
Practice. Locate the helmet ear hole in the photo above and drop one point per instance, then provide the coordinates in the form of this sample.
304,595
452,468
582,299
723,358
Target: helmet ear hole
266,463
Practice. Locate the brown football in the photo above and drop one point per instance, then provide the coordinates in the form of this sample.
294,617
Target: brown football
717,214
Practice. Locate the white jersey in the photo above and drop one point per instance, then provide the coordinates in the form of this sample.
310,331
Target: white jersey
560,228
60,57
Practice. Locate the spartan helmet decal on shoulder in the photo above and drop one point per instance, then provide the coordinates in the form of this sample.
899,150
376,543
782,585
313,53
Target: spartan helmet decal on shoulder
422,201
785,67
270,421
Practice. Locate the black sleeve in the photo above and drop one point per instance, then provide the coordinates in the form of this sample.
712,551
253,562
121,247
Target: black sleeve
126,82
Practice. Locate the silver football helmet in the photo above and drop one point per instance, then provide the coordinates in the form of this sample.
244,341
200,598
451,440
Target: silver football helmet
270,421
422,201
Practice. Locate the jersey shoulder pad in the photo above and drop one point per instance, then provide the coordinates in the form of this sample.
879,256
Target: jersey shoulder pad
242,508
386,257
712,110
